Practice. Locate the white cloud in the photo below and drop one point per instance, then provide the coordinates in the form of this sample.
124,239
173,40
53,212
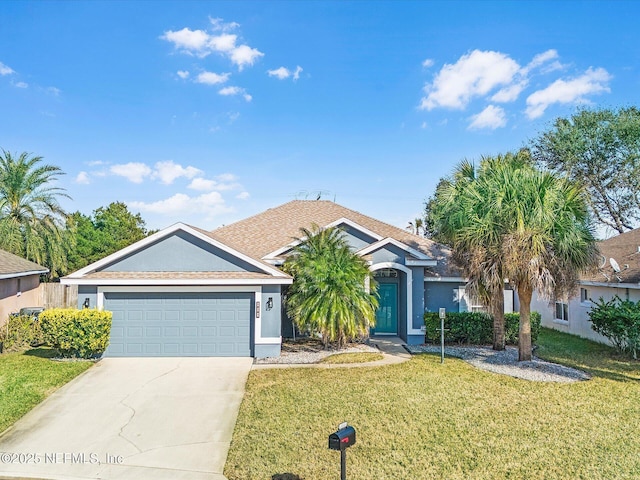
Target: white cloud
231,91
283,73
188,41
593,81
183,74
54,91
21,85
202,184
540,59
211,78
218,25
201,43
95,163
5,69
424,125
427,63
491,117
132,171
245,55
168,171
180,204
243,195
473,75
510,93
83,178
226,177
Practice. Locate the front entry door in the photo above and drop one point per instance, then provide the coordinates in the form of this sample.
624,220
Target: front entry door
387,313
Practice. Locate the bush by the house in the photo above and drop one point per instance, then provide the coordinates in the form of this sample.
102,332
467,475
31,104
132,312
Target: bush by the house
20,331
76,333
619,321
476,328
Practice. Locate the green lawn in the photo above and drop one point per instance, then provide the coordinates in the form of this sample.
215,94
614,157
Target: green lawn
27,378
423,420
355,357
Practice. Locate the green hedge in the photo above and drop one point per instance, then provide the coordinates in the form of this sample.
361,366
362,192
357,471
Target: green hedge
20,332
476,328
76,333
619,321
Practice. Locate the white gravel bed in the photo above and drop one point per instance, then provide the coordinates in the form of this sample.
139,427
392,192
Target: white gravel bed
506,363
306,357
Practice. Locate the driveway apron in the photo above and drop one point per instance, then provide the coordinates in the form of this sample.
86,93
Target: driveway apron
132,418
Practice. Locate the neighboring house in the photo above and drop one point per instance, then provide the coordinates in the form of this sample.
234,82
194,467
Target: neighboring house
188,292
19,281
618,275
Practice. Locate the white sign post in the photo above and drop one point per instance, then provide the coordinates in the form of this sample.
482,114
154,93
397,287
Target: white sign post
443,314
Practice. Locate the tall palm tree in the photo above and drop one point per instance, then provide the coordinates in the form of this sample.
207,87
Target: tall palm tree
333,292
508,220
416,227
462,216
31,218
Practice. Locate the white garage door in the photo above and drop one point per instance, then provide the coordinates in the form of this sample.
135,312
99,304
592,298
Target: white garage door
179,324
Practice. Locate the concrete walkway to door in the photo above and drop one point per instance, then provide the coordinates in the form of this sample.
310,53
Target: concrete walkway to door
133,418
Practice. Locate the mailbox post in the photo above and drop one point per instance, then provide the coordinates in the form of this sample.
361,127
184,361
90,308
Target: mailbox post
341,440
443,315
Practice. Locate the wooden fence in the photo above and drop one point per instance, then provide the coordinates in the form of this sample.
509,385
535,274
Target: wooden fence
56,295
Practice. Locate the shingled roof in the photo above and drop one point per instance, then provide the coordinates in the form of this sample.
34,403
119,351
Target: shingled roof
277,227
625,250
14,266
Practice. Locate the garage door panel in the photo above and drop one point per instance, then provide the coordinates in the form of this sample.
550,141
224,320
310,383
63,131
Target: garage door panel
177,324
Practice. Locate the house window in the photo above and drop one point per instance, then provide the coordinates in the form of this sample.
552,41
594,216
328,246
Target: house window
386,273
562,311
584,295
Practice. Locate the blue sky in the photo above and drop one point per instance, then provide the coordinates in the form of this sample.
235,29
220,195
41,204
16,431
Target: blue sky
208,112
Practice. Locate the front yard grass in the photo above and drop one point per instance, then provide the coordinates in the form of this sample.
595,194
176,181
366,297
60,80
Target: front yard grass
354,357
26,378
423,420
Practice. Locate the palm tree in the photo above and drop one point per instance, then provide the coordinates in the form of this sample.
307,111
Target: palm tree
462,216
416,227
509,220
31,219
333,292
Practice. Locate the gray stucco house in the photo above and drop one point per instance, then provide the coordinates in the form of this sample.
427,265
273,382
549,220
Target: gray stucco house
189,292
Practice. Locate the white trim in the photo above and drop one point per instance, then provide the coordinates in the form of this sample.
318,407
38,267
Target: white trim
170,289
610,284
340,221
409,288
446,279
165,233
388,240
167,289
269,341
257,319
420,263
22,274
176,282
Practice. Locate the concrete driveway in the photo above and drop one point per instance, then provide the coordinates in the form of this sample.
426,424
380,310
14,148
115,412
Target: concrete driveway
132,418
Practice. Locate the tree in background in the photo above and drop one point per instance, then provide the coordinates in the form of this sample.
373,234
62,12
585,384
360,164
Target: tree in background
599,149
329,294
416,226
32,222
508,220
108,230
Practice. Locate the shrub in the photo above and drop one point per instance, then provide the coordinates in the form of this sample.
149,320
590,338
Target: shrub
20,331
76,333
476,328
619,321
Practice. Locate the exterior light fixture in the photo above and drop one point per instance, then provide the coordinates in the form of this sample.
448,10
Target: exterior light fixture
270,303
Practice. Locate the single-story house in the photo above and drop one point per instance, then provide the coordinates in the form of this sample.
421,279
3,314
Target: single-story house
19,281
618,274
184,291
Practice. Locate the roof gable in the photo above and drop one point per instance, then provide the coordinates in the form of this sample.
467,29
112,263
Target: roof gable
275,228
145,256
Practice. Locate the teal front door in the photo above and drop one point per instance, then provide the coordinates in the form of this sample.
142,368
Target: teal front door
387,313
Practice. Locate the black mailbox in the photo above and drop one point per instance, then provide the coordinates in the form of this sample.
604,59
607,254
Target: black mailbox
342,439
